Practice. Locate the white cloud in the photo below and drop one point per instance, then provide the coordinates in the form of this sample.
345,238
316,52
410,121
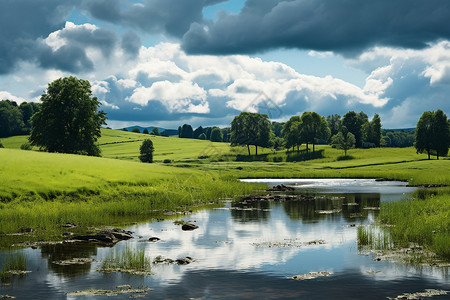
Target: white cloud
4,95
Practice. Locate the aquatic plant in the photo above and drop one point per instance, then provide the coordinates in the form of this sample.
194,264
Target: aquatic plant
127,260
13,263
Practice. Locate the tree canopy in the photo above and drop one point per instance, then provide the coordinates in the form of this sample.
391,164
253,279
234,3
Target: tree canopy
313,128
216,135
432,133
146,150
155,131
69,120
250,129
343,140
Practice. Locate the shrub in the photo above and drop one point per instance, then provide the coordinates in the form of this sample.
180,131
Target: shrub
167,161
1,145
25,146
136,130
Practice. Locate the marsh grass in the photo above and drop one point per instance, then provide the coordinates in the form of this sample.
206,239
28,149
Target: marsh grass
12,263
423,219
374,237
129,259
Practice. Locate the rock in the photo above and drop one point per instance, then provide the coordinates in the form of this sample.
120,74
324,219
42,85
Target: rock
109,236
68,225
26,230
311,275
189,227
184,261
154,239
180,261
280,188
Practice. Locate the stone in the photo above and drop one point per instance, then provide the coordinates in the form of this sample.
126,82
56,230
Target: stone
189,227
154,239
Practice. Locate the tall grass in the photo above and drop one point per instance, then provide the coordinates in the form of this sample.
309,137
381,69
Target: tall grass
374,237
423,219
127,260
12,262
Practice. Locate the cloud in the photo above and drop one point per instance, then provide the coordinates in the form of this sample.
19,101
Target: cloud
322,25
173,17
23,22
4,95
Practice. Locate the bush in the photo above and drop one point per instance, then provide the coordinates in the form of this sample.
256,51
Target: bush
136,130
167,161
1,145
146,151
25,146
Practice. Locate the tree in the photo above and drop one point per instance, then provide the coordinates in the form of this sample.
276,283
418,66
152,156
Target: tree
145,131
216,135
250,129
344,140
146,151
202,136
197,132
291,133
441,133
28,109
155,131
11,119
354,124
68,121
136,130
164,133
313,128
186,131
125,129
226,134
1,145
334,123
374,131
424,137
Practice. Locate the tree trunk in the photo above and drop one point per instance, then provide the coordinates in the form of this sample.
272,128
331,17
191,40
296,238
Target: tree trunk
428,154
248,148
293,148
256,147
307,147
314,149
437,155
298,148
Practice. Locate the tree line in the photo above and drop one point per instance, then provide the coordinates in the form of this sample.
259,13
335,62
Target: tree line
16,119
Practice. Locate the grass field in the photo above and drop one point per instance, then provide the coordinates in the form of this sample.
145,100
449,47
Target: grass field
42,190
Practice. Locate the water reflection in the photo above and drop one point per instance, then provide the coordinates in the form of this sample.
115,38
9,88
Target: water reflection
247,249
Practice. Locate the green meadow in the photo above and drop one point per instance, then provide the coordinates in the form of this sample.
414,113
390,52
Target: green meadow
43,190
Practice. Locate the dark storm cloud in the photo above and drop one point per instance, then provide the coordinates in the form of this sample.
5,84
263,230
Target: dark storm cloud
131,43
325,25
155,16
22,22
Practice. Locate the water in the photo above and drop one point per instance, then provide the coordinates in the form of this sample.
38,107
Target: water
246,250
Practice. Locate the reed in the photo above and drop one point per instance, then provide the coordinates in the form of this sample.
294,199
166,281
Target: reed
133,260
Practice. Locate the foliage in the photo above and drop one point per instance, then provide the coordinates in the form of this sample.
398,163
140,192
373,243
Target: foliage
1,145
186,131
334,123
155,131
216,135
145,131
292,133
26,146
226,134
164,133
250,129
68,121
11,119
374,131
313,128
199,130
432,133
277,129
397,138
202,136
344,140
146,151
125,129
136,130
354,123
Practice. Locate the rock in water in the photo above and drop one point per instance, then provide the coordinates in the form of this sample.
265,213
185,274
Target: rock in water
189,227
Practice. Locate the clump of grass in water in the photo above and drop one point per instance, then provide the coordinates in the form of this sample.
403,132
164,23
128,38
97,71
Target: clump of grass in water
128,260
14,263
374,237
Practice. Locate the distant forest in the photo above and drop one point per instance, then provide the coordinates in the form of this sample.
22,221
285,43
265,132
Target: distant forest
16,120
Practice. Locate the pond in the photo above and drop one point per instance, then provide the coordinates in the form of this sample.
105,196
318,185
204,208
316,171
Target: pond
248,249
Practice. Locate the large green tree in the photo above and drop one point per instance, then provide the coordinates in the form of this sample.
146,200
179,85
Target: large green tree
291,133
69,120
216,135
314,127
356,124
250,129
146,150
441,133
186,131
432,134
374,131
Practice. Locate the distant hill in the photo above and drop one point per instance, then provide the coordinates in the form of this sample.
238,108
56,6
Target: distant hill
401,129
170,132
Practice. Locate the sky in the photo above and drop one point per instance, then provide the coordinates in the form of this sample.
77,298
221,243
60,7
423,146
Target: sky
201,62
